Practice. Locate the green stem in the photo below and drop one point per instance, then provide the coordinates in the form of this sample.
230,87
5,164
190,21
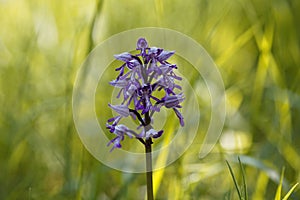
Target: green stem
148,152
148,149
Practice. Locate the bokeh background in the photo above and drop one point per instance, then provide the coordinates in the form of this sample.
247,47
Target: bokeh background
43,43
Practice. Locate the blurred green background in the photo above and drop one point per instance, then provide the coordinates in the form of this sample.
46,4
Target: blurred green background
43,43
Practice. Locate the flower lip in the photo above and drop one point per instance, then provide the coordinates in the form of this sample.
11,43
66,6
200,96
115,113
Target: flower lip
116,142
151,133
180,117
158,134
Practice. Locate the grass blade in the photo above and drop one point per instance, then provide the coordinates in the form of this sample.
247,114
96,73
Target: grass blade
290,192
278,192
244,179
234,180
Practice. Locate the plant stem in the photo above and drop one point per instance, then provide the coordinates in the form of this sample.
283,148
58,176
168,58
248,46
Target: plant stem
148,152
148,149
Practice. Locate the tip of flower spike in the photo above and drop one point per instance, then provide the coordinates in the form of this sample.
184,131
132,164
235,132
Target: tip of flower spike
141,43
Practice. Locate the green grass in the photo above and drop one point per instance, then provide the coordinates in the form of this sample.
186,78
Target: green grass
243,194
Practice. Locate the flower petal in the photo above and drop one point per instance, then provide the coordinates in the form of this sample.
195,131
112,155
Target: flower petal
180,117
125,57
164,55
159,133
121,83
116,142
174,100
120,109
153,133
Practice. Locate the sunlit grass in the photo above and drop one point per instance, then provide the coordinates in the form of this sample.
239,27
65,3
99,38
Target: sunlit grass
242,190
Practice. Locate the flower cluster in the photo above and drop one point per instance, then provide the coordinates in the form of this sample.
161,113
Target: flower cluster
139,77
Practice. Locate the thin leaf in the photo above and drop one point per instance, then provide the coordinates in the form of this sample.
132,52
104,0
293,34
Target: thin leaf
290,192
234,180
244,180
278,192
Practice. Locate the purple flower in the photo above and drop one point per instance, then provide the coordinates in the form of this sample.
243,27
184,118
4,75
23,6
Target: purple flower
139,77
